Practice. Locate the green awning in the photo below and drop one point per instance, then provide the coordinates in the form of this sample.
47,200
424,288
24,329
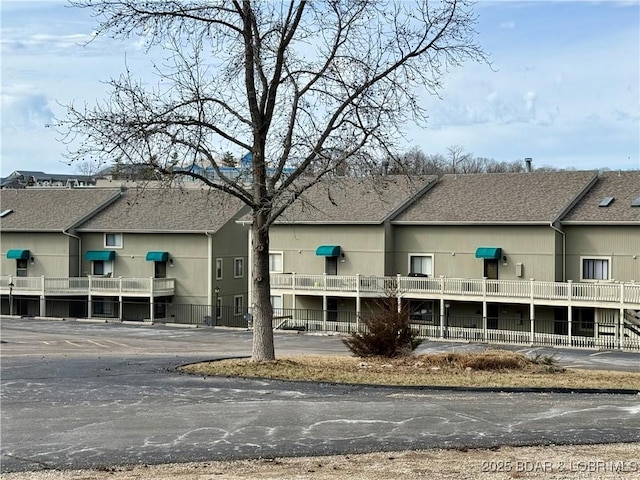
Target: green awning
157,256
104,255
492,253
328,251
18,254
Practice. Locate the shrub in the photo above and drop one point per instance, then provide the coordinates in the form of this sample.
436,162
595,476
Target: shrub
385,333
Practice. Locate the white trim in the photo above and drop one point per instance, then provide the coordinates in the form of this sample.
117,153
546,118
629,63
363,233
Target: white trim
235,273
277,252
411,255
595,257
116,235
219,268
280,296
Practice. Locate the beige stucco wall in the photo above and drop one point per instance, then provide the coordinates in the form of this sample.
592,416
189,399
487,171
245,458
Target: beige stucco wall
51,252
618,243
454,250
363,247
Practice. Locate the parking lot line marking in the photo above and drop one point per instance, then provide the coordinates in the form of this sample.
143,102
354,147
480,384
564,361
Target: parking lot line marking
98,343
74,344
117,343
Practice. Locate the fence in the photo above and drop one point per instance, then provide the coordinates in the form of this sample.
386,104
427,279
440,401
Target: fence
224,316
608,334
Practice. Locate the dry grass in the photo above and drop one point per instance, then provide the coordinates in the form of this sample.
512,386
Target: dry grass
493,368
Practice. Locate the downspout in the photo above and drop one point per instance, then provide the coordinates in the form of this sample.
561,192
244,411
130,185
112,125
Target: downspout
247,224
210,270
564,249
79,250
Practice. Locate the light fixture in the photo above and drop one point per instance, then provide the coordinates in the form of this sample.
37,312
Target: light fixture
447,305
171,262
11,285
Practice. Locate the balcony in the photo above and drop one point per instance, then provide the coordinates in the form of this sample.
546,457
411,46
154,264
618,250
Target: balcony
94,286
597,294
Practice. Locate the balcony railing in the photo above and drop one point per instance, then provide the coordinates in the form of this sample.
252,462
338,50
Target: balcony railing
51,286
611,293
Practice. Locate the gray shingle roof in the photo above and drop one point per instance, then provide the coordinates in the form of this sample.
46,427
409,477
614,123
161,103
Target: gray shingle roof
50,209
535,197
624,187
355,200
164,210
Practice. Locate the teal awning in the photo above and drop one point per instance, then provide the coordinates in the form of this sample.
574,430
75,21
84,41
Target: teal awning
492,253
328,251
157,256
104,255
18,254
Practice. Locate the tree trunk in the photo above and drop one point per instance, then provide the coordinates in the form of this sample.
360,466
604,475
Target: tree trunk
263,348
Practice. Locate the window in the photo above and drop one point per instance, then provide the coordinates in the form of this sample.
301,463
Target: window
238,305
595,269
21,267
238,267
275,261
113,240
218,269
102,306
102,267
421,311
421,265
276,303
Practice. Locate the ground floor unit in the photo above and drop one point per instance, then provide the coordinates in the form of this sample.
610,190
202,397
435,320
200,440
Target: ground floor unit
527,312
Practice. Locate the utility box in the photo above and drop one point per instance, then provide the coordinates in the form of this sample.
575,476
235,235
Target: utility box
519,268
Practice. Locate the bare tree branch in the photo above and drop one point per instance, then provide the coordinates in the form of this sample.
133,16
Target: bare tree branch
307,89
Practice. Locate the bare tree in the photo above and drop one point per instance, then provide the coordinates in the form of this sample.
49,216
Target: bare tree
286,81
87,168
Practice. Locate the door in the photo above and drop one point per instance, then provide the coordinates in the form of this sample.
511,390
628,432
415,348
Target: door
492,316
331,265
491,268
160,269
332,309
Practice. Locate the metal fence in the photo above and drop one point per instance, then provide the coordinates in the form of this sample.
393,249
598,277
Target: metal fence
207,315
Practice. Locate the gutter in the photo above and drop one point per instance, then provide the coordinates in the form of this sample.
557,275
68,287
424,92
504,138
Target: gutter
65,232
564,250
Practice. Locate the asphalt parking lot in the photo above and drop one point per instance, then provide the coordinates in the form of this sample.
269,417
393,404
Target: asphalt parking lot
80,395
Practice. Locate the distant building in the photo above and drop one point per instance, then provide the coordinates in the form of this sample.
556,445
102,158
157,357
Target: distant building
27,178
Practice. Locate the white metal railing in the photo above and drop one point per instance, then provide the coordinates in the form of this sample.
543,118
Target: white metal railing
86,285
623,294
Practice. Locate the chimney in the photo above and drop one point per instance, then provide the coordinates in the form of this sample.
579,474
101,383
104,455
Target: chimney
528,161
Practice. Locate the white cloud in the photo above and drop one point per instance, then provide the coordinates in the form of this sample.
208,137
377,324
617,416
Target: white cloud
23,108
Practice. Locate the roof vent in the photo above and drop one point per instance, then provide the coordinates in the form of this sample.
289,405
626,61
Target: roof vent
636,202
605,202
4,213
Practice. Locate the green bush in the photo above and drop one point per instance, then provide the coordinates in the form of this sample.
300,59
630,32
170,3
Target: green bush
385,333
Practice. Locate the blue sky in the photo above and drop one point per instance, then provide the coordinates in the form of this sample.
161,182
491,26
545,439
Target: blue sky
564,88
